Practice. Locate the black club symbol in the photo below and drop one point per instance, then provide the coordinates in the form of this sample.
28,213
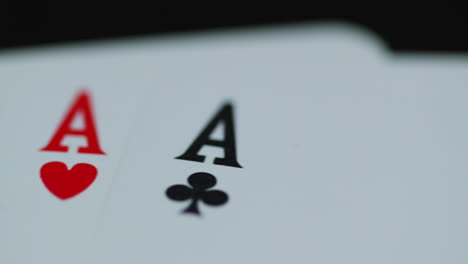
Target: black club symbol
200,182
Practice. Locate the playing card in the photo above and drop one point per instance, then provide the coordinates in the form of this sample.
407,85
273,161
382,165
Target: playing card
64,131
283,147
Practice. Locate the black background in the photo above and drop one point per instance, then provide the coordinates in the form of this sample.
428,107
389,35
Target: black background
435,29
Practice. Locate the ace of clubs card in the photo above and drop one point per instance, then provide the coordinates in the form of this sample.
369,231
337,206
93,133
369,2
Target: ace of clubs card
305,146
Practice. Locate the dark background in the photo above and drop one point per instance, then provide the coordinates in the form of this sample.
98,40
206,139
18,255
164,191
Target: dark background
436,29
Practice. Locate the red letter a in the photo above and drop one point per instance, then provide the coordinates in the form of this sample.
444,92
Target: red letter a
80,105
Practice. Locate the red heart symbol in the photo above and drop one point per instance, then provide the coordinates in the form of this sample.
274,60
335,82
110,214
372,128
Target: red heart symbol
65,183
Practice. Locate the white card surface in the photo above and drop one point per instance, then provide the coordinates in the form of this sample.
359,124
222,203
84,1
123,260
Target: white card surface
349,154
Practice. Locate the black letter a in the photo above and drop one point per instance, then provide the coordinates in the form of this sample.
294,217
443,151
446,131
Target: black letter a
228,144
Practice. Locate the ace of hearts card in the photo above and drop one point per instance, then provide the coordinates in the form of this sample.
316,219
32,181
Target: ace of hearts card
65,124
